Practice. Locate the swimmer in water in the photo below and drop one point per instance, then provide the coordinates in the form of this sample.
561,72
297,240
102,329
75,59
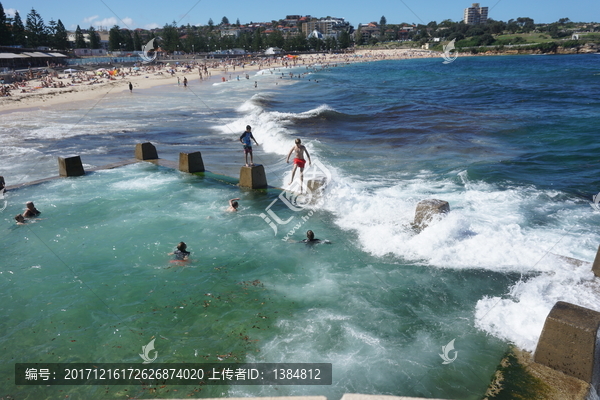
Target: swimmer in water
181,254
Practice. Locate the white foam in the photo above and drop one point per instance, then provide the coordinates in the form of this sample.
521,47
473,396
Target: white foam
492,228
270,128
519,318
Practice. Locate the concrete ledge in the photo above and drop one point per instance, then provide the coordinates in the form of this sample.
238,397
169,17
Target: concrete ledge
253,177
70,166
145,151
596,265
191,162
569,342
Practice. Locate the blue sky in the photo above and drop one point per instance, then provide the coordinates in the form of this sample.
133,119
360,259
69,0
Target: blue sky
154,13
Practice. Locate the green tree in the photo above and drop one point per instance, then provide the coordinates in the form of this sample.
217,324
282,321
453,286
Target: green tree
137,41
79,39
331,43
512,26
526,24
257,40
211,24
496,27
18,31
485,40
61,37
5,33
237,22
126,40
94,38
36,29
170,37
224,21
51,31
275,39
344,41
114,38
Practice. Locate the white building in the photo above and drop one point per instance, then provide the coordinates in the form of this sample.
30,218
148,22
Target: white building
475,15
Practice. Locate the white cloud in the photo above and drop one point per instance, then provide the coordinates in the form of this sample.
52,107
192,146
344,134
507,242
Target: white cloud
112,21
88,20
10,12
153,25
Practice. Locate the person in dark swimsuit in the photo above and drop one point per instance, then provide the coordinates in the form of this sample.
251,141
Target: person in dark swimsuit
181,254
310,239
31,211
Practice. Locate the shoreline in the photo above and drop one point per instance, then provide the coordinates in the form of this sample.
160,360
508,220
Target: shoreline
37,97
34,96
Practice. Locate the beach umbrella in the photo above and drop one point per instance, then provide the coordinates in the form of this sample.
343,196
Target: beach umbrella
68,71
136,68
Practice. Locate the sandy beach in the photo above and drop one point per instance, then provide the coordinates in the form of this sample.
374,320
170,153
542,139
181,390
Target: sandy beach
88,85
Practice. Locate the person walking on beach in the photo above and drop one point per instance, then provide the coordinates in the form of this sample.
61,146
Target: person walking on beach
184,81
2,184
130,88
246,140
299,160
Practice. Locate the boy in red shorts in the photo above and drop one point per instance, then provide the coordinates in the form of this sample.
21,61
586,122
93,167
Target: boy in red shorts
299,150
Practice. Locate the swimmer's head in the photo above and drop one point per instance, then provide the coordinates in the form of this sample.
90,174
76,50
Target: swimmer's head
298,141
310,235
19,218
234,204
248,127
181,246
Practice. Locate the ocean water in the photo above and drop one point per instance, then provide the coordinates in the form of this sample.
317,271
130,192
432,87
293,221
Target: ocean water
509,142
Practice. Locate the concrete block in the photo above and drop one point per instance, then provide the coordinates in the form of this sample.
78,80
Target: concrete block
425,211
253,177
145,151
191,162
569,342
596,265
70,166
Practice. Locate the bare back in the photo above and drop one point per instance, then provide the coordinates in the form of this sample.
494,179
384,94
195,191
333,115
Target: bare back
299,151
